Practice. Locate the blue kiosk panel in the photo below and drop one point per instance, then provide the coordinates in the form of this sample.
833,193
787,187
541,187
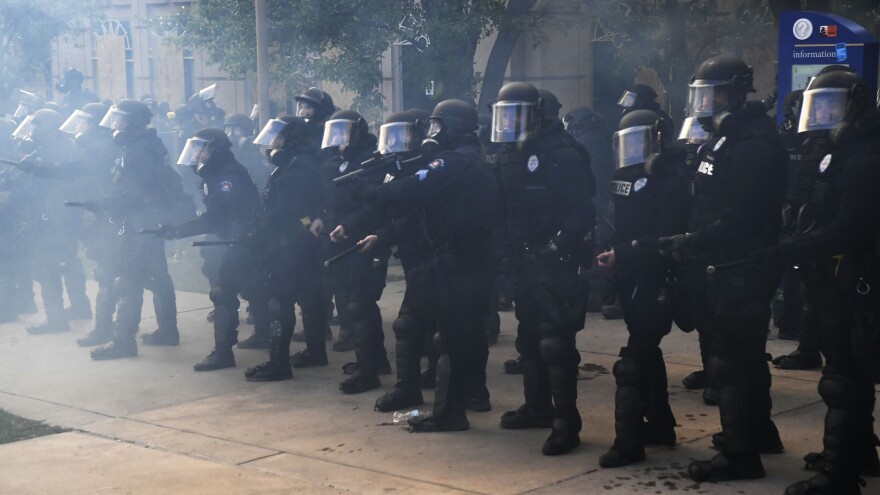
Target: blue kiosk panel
809,41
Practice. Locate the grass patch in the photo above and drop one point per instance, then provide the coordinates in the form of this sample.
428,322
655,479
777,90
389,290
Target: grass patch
14,428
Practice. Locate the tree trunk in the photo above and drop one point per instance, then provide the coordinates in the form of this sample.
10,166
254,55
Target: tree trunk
496,66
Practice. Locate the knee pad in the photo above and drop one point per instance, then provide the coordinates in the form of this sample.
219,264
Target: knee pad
218,296
837,391
355,311
721,372
404,327
626,372
554,350
123,286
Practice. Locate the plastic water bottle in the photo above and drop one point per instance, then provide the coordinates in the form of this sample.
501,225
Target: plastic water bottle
402,416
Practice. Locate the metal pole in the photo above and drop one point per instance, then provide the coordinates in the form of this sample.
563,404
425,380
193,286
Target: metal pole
396,82
262,61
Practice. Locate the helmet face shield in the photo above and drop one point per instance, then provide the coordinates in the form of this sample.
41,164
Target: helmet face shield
707,98
692,132
823,109
207,93
337,133
115,119
513,121
396,137
25,130
21,111
628,99
634,145
305,110
196,151
270,135
79,122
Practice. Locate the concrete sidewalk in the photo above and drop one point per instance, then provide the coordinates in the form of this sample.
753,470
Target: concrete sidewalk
152,425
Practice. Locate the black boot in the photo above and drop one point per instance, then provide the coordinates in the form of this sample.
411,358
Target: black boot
538,411
278,366
51,326
258,311
740,458
105,306
696,380
567,424
360,382
308,359
122,346
660,425
162,336
449,412
629,409
225,324
401,396
258,340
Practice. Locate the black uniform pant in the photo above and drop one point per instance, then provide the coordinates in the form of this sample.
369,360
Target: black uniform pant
57,266
412,328
360,280
238,273
143,266
551,305
294,277
738,368
847,324
647,305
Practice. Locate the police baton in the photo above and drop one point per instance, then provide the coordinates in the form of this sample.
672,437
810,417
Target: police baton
342,255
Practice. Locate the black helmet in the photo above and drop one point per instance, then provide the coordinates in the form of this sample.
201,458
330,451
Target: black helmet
50,119
313,104
637,96
719,84
127,115
238,125
344,128
202,103
38,126
84,120
203,148
551,103
400,133
287,132
70,78
182,114
639,139
516,113
98,110
581,116
834,100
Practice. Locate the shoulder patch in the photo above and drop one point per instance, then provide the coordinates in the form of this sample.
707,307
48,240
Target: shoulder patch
533,163
825,163
226,186
342,167
639,184
621,188
438,163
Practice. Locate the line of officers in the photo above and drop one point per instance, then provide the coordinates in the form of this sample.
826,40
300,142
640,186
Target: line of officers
704,228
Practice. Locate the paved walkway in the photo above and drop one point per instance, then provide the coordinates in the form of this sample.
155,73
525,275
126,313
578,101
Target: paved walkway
152,425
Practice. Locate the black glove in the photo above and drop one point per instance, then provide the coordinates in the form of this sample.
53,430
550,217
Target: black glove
167,232
558,247
676,246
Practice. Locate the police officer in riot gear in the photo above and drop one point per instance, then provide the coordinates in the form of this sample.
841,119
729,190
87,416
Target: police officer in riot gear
138,197
94,171
643,97
840,255
205,109
240,131
740,183
651,199
231,205
315,107
292,203
548,188
75,97
360,278
54,228
453,195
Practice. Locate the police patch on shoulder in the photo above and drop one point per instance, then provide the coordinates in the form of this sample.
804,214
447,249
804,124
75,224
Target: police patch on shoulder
720,143
621,188
639,184
825,163
342,167
438,163
226,186
533,163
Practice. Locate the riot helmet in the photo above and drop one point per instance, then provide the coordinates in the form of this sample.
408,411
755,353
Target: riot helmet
398,134
311,104
516,113
448,123
344,128
28,103
238,125
550,102
70,78
287,132
127,115
80,122
692,132
639,139
833,100
720,84
636,97
202,150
